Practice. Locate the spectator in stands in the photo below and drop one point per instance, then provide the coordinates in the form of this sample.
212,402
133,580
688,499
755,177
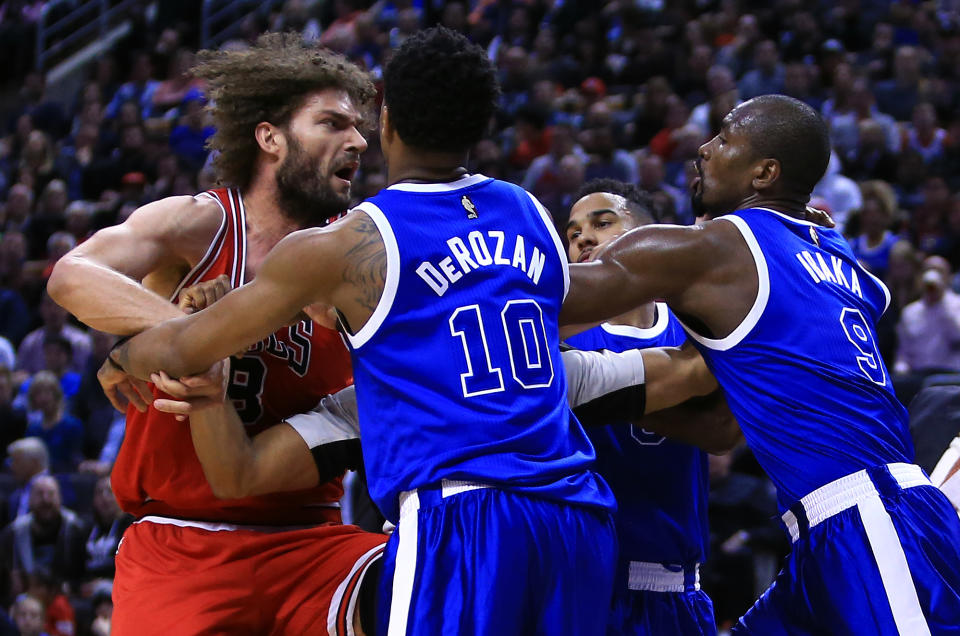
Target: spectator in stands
62,433
767,75
840,193
28,616
872,157
47,587
49,536
923,135
544,170
13,420
189,137
928,221
172,92
720,82
47,219
109,524
139,89
18,207
929,329
36,167
845,124
745,542
875,240
28,459
898,96
30,356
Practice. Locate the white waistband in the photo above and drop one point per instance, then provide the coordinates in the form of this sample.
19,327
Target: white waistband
656,577
846,492
217,527
410,499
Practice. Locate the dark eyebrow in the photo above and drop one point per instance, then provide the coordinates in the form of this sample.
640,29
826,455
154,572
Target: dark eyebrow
593,215
340,116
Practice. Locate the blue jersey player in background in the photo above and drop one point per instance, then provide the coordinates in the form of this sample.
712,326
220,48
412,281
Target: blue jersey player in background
661,485
449,286
784,316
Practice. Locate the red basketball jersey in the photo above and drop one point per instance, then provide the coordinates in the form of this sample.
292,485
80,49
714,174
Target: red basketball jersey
157,471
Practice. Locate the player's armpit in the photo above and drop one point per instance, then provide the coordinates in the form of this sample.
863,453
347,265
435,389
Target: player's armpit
705,422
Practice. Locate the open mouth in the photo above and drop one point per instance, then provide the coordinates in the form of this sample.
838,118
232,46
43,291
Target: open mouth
585,256
348,171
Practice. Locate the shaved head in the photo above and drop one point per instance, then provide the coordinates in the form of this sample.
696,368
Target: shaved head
788,130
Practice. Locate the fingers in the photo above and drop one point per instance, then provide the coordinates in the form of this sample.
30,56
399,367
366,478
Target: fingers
204,294
169,386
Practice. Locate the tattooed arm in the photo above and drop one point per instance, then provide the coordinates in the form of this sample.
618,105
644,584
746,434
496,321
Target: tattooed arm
343,265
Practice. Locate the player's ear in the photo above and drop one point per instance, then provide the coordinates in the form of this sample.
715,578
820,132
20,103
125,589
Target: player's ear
270,138
765,173
386,127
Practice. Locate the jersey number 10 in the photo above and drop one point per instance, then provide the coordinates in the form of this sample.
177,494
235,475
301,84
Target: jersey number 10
525,343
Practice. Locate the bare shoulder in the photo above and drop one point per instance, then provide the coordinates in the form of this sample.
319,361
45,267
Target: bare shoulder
365,259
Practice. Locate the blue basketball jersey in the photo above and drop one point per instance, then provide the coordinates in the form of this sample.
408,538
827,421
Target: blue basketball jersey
458,369
802,373
661,486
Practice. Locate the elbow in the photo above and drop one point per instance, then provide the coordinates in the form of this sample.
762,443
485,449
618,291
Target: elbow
62,282
235,483
229,488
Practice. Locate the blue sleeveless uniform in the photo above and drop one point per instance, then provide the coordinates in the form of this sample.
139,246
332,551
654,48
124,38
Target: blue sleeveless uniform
469,445
874,544
661,488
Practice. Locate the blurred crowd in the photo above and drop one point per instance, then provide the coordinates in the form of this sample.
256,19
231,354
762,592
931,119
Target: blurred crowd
624,89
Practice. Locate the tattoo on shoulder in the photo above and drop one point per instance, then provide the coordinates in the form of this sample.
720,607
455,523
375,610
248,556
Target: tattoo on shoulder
366,267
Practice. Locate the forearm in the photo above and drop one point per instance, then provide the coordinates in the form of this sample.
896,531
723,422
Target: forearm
158,349
703,422
224,450
106,299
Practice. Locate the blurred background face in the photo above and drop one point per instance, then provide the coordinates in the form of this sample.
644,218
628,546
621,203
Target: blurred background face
28,615
45,499
873,220
104,502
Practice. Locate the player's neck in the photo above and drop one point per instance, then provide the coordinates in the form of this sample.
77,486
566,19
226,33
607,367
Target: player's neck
265,217
425,167
791,206
643,317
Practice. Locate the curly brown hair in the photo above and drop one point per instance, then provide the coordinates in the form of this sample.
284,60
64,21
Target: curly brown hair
268,82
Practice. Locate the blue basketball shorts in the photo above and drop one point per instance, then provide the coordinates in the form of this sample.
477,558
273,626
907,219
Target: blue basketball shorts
470,559
653,599
876,552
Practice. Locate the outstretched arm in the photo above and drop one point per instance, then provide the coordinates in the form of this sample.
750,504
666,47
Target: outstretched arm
656,262
302,269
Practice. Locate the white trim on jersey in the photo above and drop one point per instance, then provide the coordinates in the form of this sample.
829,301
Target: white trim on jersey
365,561
663,319
552,231
242,234
465,181
883,287
763,292
392,281
209,257
405,564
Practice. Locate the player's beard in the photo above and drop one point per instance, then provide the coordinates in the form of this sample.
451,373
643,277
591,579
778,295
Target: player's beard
305,196
696,204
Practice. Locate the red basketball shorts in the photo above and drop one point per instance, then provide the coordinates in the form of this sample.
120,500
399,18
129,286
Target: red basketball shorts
183,577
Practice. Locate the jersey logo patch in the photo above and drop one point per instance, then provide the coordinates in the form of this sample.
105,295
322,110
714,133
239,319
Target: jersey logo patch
814,236
469,207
